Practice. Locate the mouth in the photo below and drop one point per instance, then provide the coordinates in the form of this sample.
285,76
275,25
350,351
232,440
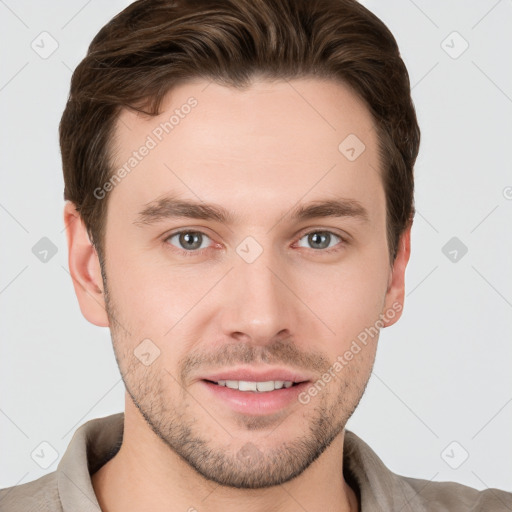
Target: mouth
255,390
254,397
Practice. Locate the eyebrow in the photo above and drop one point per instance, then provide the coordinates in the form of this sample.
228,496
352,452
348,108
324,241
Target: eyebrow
169,207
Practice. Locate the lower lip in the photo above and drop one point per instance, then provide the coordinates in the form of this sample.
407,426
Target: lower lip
256,403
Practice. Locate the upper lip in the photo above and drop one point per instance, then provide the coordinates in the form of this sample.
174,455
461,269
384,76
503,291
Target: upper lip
253,375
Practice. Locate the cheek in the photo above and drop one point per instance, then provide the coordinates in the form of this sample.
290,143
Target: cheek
355,286
155,299
152,295
349,299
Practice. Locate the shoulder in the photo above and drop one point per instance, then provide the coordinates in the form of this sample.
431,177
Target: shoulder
456,497
382,489
40,495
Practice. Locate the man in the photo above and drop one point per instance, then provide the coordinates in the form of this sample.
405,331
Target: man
239,186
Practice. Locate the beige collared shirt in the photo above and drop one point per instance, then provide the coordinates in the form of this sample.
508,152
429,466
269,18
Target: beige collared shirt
69,488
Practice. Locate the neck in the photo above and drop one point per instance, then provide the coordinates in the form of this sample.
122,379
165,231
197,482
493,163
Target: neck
147,474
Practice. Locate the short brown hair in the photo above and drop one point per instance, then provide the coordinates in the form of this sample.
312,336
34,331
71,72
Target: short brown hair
153,45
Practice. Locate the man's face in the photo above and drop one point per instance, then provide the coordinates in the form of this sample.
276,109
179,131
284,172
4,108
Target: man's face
264,291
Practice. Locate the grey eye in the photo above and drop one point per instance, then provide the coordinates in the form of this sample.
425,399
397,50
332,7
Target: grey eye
321,239
189,240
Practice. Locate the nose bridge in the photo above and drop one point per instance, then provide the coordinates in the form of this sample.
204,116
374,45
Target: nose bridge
260,304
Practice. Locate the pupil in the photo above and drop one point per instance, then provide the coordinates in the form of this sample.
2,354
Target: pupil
188,239
315,236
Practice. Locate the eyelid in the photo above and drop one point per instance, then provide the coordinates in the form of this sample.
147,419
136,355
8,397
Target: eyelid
343,235
344,240
186,230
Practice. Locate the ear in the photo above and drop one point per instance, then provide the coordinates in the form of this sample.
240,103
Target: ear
84,267
395,293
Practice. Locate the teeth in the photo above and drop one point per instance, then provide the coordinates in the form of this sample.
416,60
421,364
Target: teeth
233,384
262,387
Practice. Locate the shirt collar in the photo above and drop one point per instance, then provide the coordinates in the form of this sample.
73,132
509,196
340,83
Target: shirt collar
98,440
92,445
378,488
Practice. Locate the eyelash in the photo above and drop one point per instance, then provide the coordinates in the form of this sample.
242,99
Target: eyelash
343,242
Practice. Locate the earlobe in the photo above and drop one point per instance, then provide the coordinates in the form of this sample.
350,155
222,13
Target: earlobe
395,294
84,267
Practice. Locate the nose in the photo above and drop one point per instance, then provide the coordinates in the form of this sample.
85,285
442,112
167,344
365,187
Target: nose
258,304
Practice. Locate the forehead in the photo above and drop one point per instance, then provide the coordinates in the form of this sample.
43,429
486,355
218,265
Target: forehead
271,143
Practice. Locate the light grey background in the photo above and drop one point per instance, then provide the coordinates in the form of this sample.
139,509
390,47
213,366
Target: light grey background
442,374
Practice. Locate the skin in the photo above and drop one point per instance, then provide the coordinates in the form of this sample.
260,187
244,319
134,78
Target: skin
257,152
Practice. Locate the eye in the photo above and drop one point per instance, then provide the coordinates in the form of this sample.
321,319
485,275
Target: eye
191,243
322,240
188,241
